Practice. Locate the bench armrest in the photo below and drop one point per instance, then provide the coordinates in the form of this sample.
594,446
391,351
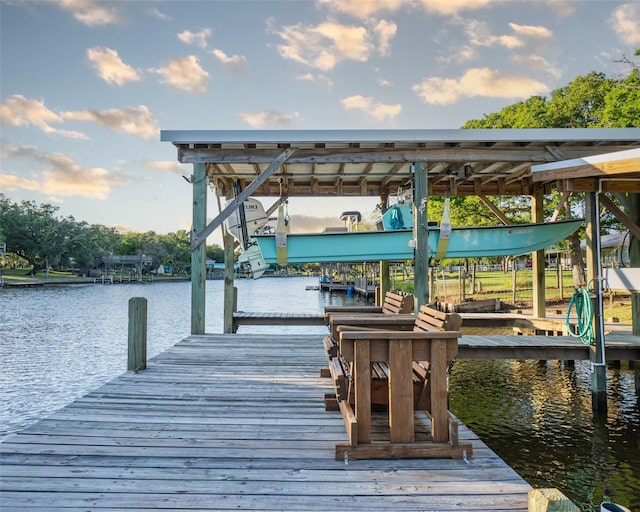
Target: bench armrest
350,310
381,321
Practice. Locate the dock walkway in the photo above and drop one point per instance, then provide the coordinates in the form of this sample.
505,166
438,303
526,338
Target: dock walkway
222,422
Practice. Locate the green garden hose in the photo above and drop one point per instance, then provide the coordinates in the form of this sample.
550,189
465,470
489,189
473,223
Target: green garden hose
584,312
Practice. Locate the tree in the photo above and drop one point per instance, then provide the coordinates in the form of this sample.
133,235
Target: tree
177,249
32,232
622,104
215,252
589,101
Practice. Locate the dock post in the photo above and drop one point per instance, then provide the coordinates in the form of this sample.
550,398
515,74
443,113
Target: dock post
537,257
634,260
385,280
596,352
550,500
198,255
420,234
230,291
137,347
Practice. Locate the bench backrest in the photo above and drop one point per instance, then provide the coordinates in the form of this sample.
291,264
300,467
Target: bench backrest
397,303
430,319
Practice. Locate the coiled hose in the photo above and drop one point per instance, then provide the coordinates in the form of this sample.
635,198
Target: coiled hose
584,312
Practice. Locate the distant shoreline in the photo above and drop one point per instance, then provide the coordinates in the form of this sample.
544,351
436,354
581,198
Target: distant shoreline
37,282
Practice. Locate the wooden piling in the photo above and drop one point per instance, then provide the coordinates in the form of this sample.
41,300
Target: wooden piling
137,352
550,500
230,291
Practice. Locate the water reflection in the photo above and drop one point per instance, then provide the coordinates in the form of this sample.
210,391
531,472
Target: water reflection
538,417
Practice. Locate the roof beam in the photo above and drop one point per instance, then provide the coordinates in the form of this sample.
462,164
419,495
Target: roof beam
620,162
530,154
620,215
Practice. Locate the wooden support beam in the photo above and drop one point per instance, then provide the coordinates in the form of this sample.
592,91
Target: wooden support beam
620,215
420,234
537,257
201,235
198,255
230,291
561,204
363,185
496,211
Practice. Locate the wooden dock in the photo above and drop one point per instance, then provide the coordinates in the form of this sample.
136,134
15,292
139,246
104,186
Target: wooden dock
621,345
222,422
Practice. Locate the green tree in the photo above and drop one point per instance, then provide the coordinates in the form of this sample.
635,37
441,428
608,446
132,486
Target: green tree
32,232
177,250
215,252
588,101
622,104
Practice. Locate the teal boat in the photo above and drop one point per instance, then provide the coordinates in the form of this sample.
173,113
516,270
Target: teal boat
393,245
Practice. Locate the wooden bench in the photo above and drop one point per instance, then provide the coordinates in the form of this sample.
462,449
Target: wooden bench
399,360
395,303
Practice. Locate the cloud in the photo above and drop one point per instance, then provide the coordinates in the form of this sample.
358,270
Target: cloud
321,79
62,177
166,166
309,224
454,7
625,21
235,62
532,31
21,111
135,120
186,74
157,13
362,8
477,82
325,45
270,117
562,8
66,178
12,182
480,35
458,55
386,31
110,67
91,12
198,38
538,62
366,104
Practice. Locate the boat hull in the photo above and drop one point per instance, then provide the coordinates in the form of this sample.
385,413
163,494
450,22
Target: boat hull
477,242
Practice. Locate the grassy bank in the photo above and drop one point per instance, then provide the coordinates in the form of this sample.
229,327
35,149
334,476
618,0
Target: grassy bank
516,292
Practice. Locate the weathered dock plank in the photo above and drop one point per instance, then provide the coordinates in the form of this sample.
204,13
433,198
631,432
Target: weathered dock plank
223,422
619,346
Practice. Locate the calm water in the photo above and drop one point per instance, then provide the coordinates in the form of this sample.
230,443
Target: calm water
59,343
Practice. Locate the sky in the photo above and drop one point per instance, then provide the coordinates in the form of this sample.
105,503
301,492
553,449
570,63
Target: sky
86,86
